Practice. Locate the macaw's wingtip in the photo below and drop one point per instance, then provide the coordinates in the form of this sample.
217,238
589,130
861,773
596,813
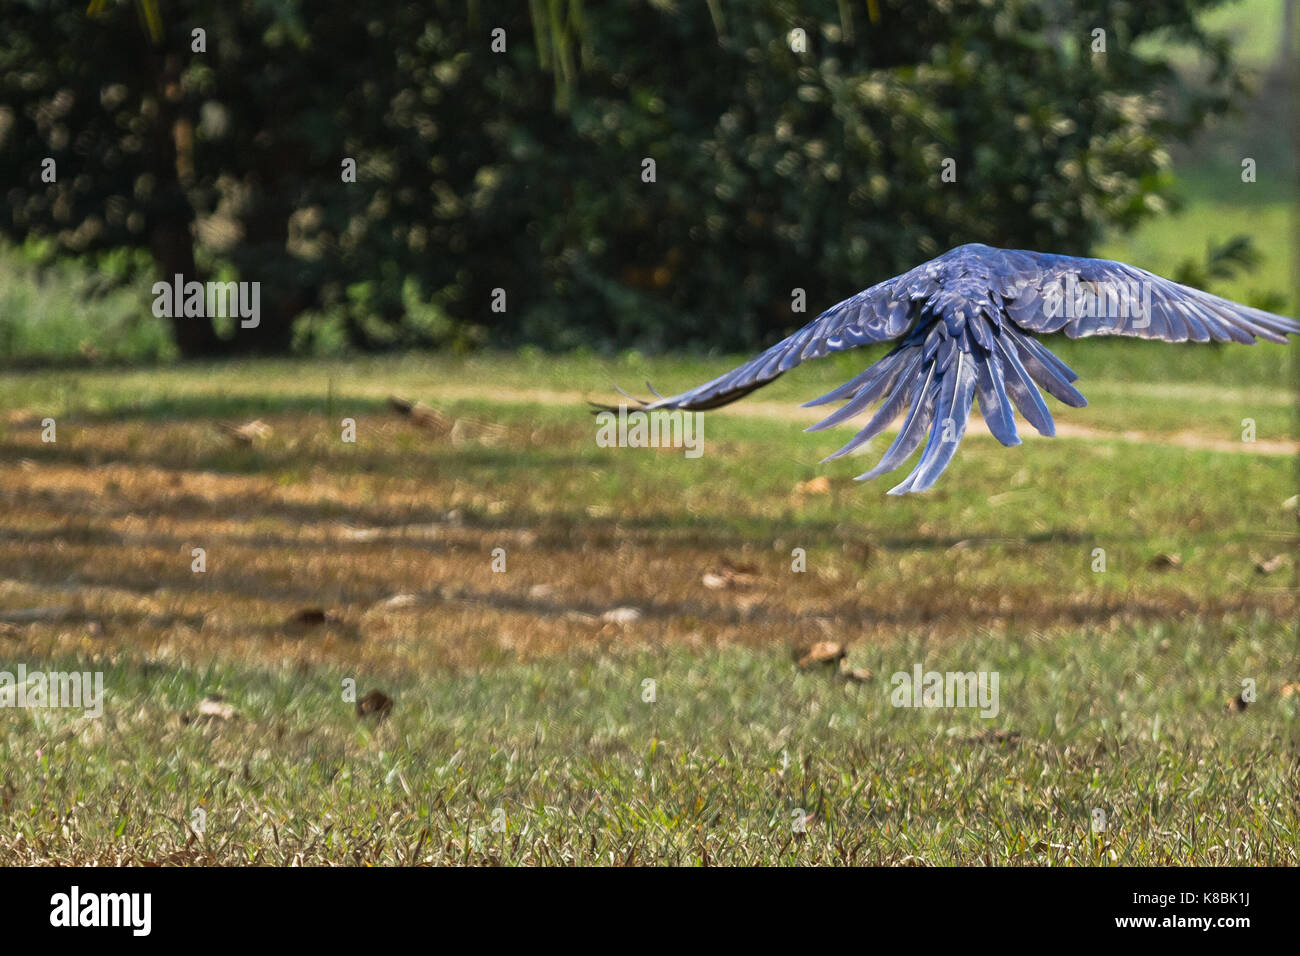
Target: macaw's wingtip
913,484
640,401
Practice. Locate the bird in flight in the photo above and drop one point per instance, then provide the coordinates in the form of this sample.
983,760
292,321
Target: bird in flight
966,321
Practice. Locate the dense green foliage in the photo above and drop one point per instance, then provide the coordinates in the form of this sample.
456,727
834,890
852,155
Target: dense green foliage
522,170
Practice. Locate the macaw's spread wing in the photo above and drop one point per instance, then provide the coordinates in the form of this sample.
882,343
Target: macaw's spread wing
1083,297
966,321
878,314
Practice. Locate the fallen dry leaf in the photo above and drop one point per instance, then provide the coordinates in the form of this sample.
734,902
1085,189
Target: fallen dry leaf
1042,846
1268,566
821,485
458,430
427,417
621,615
859,675
729,575
179,858
247,433
400,405
994,736
469,429
216,707
420,414
824,653
1289,690
396,602
375,704
308,619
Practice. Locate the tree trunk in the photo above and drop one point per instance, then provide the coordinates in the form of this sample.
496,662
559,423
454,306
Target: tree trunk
171,238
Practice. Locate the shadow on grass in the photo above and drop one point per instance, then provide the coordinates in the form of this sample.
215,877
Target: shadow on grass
567,532
64,574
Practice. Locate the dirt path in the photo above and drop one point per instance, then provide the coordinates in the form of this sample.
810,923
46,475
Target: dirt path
794,413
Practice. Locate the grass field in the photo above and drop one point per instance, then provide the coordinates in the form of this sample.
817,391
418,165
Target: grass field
519,695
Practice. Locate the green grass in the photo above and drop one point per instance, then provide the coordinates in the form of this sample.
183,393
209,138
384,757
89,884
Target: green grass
734,749
1253,26
515,693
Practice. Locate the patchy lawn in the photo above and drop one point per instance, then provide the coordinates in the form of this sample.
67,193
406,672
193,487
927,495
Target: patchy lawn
519,696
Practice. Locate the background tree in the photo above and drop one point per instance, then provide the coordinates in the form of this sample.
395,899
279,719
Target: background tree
778,166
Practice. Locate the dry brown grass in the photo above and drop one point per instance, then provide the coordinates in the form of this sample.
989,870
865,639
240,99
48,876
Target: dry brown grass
102,524
375,561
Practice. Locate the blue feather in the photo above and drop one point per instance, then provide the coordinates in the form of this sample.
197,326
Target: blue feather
967,320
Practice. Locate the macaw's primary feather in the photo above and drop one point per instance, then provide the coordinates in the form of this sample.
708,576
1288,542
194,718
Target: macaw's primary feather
966,322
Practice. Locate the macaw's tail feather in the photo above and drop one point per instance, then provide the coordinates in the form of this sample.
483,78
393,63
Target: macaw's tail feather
934,380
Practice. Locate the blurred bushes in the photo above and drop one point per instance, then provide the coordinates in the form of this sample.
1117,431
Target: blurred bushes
63,311
776,168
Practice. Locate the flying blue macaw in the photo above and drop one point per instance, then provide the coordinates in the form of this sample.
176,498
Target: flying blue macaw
966,320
